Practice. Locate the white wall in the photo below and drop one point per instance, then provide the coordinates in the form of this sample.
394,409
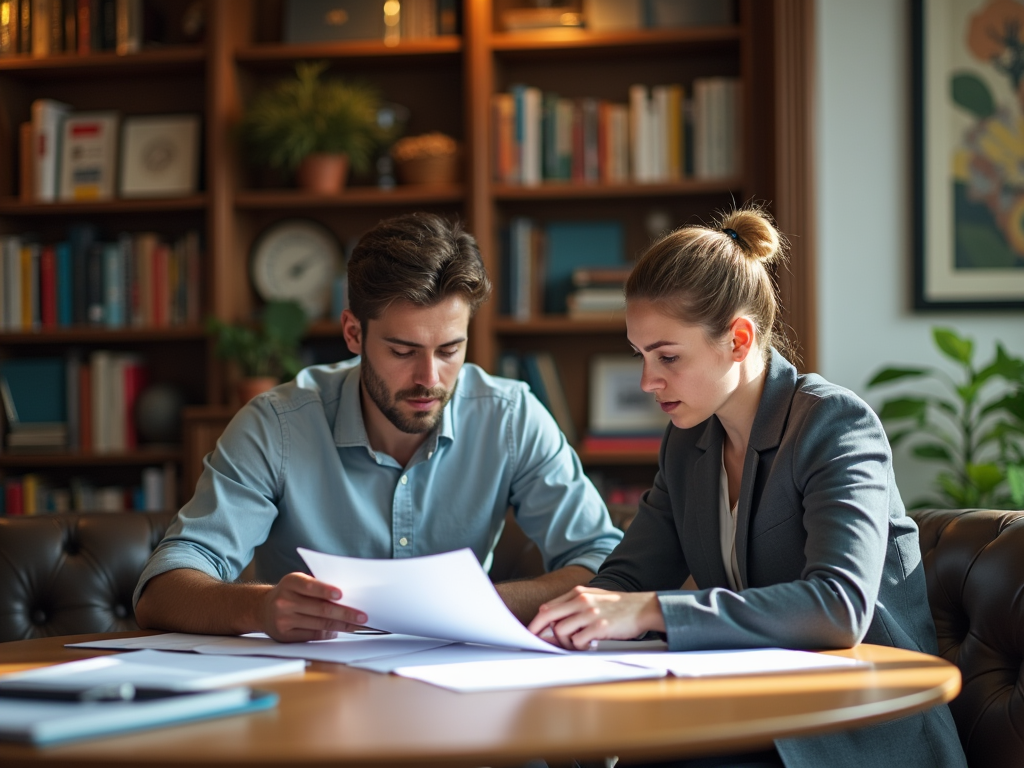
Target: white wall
864,212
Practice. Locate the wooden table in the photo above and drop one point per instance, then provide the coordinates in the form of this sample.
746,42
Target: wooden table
334,715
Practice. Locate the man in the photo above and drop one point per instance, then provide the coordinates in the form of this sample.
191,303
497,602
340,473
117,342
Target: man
404,451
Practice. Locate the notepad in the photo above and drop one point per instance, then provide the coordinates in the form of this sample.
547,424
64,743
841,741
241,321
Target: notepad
51,722
154,669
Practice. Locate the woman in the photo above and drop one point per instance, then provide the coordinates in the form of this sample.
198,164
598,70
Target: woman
775,493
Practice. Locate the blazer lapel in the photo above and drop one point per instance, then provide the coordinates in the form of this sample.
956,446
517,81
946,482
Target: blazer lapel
765,434
702,502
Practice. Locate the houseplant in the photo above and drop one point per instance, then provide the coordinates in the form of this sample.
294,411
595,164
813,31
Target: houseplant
975,430
266,352
314,126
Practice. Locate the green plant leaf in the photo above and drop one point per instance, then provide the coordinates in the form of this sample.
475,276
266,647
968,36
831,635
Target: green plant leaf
952,346
284,322
1009,367
959,494
971,93
904,408
897,437
948,407
932,451
1015,477
892,374
985,477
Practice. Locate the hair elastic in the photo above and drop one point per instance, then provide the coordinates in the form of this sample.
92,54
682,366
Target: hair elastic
732,233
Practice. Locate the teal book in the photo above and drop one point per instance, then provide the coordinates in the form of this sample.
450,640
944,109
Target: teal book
34,390
44,722
573,244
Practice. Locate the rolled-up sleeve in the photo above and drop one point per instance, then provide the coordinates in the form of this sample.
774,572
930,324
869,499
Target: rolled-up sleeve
234,504
555,503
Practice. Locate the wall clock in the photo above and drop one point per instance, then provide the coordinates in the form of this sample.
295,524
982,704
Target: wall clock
296,259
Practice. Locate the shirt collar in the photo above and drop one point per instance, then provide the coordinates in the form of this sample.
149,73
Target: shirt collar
350,429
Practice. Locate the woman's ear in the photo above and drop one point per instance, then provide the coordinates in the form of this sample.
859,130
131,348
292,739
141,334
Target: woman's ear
743,334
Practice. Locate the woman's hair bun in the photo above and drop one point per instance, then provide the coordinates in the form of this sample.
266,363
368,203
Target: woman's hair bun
755,233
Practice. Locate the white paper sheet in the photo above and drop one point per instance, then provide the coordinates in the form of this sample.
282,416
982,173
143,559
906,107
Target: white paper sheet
343,650
153,669
449,654
447,596
755,661
543,672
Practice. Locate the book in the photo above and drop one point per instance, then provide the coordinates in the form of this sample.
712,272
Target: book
33,390
8,27
575,244
50,722
89,156
620,443
48,117
26,162
557,402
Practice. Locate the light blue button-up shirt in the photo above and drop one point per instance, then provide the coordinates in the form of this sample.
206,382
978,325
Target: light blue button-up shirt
295,468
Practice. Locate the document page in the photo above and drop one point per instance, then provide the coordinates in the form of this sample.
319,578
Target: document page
447,596
752,661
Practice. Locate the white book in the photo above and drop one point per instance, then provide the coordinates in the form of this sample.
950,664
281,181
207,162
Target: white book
659,133
640,132
99,364
47,124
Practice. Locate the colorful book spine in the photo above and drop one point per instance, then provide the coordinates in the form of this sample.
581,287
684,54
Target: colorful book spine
65,288
48,287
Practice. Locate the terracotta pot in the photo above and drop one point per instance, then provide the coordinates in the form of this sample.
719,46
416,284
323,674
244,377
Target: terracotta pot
434,169
249,388
323,173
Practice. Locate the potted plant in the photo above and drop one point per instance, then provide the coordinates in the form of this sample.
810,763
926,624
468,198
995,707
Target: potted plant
976,431
315,126
266,353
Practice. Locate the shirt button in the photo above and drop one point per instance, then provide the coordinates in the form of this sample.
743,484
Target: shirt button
405,479
430,455
403,541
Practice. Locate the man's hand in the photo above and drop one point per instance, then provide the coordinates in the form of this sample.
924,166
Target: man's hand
584,614
301,608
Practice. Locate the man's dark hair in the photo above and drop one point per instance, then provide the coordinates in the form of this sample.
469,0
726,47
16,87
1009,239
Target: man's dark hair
420,258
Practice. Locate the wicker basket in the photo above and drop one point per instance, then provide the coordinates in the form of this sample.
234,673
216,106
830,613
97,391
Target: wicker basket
433,169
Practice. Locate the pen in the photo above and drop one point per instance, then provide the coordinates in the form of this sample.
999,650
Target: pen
112,692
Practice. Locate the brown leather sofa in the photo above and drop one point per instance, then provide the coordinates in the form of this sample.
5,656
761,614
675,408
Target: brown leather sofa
73,573
974,565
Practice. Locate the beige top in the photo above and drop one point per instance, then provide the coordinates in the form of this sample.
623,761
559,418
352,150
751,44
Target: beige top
727,530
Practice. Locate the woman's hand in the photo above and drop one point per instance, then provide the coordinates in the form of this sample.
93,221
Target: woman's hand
585,614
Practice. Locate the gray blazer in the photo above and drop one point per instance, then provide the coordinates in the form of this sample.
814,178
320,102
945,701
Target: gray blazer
826,554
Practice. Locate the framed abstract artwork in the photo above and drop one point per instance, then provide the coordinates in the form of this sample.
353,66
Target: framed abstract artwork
969,154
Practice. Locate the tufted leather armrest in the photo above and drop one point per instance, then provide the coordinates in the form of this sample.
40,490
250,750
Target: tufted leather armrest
974,565
66,574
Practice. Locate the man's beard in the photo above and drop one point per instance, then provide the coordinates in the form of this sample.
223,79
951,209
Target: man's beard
418,422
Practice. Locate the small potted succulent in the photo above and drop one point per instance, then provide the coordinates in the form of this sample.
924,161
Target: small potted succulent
315,126
266,353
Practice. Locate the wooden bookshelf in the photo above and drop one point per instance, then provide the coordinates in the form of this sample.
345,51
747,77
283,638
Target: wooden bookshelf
447,83
139,457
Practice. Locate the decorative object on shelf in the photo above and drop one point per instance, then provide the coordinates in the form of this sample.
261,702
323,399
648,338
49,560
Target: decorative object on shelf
979,441
541,17
268,351
158,413
297,259
297,121
322,21
159,156
88,156
617,404
432,158
969,206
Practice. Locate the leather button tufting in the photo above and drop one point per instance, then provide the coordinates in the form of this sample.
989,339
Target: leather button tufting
38,616
121,612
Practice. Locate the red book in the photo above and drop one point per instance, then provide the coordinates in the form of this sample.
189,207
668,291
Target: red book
48,286
621,444
85,409
134,383
14,499
84,26
602,141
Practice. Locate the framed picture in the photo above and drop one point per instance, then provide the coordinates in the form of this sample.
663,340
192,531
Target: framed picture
159,156
969,154
617,404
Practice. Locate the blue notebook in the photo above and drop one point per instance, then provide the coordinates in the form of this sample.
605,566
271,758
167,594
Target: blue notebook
51,722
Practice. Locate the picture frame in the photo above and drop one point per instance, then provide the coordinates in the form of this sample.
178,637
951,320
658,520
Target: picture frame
968,191
159,156
88,156
617,404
